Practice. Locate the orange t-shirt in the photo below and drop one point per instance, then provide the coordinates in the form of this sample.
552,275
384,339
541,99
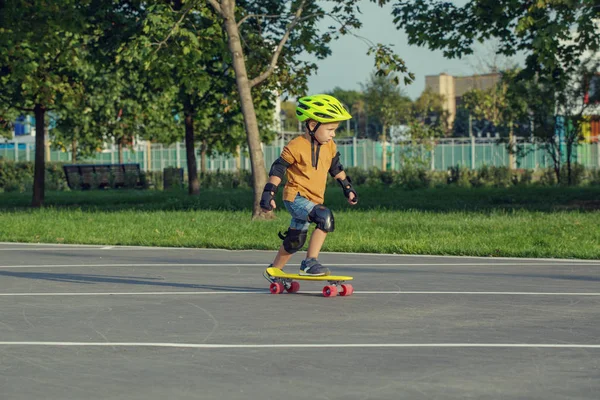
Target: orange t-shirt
302,177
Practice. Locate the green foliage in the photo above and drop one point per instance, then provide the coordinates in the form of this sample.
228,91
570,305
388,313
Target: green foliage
427,117
555,35
540,29
547,177
594,177
488,105
578,174
18,176
226,180
385,101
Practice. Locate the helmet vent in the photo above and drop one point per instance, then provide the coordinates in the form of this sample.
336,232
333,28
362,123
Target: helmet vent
318,114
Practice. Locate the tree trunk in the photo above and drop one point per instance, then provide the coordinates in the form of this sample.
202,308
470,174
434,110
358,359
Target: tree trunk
190,153
384,151
569,154
203,148
259,173
511,152
120,150
74,151
40,163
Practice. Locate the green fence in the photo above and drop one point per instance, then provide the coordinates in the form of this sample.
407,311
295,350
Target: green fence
468,152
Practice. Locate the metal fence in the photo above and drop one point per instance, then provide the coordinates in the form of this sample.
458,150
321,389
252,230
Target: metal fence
362,153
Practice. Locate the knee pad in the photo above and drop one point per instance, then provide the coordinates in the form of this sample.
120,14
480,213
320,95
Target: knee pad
323,217
293,240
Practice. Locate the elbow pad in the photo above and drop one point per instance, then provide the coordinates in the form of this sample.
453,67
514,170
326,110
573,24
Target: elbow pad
336,166
279,168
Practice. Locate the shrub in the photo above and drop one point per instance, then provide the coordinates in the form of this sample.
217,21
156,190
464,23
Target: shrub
547,177
594,177
501,177
577,174
411,177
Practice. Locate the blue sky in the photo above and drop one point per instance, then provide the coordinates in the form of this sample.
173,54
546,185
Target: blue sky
348,66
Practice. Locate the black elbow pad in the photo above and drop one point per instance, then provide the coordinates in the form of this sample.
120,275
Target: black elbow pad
279,167
336,166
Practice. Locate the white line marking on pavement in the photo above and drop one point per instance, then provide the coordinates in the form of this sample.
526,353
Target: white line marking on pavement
27,249
132,265
260,291
73,246
307,345
495,264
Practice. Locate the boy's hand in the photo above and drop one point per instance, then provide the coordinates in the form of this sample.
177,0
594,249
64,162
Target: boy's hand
267,201
349,191
352,199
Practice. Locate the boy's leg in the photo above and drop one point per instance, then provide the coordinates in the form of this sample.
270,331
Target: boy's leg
311,266
316,243
282,258
293,241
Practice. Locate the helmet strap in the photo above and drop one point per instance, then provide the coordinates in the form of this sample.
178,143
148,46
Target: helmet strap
314,153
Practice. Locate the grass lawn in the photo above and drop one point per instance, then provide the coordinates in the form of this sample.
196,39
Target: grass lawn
516,222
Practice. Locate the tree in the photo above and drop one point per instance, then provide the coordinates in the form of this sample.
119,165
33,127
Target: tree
428,118
288,29
7,118
42,63
178,45
556,116
385,101
553,34
571,111
118,104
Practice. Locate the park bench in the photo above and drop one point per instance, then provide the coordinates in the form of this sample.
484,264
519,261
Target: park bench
101,176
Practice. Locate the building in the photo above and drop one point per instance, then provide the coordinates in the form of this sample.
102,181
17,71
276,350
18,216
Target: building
454,87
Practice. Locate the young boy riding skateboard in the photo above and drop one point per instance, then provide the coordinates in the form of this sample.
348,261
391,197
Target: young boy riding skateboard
306,160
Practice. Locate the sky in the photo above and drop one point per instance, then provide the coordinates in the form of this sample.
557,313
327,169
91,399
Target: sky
348,66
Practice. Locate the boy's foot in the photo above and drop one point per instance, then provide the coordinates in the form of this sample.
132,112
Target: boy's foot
267,276
312,267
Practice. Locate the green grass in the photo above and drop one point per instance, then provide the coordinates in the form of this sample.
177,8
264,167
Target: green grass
539,222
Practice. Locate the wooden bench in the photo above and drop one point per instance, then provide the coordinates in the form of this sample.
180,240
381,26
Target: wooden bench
101,176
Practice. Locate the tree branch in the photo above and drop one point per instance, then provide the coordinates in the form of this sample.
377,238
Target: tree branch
292,25
241,21
163,42
216,6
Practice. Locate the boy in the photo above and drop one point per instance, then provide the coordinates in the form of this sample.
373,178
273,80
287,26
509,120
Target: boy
306,160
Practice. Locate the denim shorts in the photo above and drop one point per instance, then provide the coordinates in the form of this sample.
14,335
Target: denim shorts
299,209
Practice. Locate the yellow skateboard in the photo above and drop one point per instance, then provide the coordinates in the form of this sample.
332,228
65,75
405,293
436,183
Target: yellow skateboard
285,281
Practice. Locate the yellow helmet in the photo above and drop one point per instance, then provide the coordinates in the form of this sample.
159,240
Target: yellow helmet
321,108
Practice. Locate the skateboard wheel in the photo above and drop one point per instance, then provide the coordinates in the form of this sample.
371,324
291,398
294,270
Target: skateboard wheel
294,287
276,288
330,291
347,290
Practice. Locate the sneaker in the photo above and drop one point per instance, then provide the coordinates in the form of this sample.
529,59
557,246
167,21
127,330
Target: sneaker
312,267
267,276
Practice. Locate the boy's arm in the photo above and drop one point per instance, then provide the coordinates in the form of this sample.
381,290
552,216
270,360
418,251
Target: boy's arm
267,201
276,174
337,171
